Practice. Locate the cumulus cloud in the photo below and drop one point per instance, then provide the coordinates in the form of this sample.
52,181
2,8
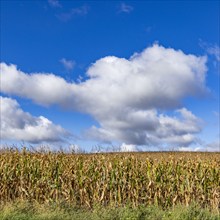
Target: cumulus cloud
126,96
149,128
68,64
125,8
54,3
19,125
156,78
44,89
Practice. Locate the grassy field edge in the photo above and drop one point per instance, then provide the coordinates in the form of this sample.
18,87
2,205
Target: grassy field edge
36,211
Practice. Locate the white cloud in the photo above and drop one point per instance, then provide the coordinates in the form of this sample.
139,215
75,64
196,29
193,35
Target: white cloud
125,95
209,147
68,64
128,148
80,11
191,149
54,3
44,89
149,128
125,8
19,125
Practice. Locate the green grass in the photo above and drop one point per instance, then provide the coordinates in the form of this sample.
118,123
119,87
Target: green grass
30,211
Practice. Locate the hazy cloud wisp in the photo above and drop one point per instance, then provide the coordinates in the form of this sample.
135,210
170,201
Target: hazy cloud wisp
54,3
68,64
211,49
125,8
80,11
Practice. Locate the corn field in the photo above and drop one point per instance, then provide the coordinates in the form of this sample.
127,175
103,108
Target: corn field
163,179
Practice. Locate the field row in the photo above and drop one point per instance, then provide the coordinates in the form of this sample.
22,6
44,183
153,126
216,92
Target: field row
111,179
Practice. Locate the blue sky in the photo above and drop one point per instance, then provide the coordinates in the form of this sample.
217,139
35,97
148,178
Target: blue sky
134,74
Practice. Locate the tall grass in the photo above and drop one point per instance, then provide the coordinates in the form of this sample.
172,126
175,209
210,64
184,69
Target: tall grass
35,211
